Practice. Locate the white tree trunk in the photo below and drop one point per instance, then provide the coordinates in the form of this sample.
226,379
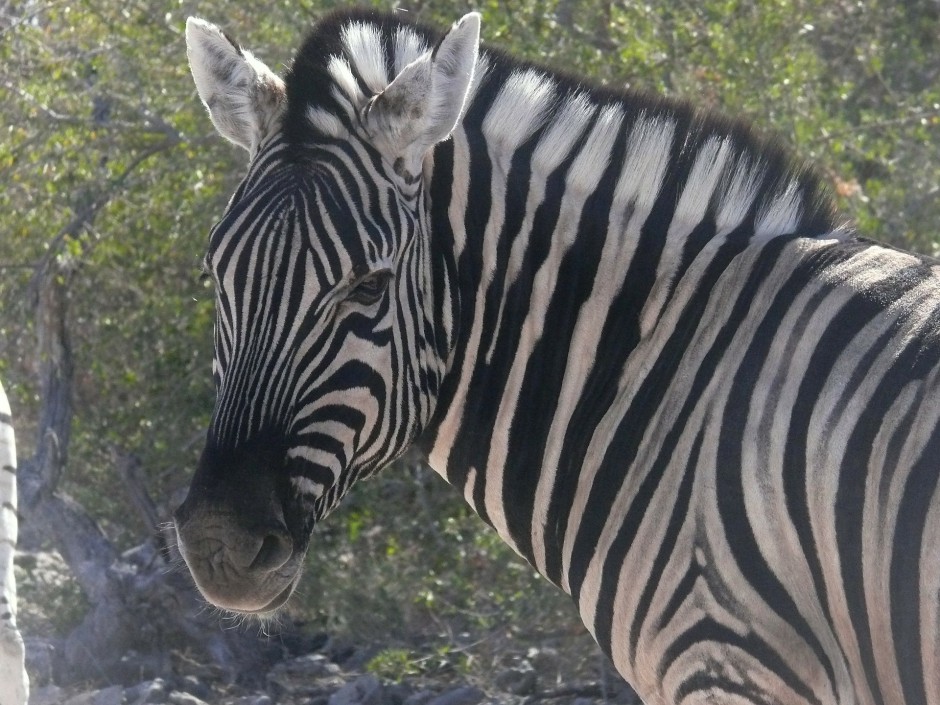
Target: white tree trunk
14,684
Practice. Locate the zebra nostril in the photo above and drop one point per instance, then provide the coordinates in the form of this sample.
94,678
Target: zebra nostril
275,550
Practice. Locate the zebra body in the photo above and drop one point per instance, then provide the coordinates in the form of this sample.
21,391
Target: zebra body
14,683
631,334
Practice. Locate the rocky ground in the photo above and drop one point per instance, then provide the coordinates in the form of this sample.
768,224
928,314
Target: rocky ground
334,674
305,668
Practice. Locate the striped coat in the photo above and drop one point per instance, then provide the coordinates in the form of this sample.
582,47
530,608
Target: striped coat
632,335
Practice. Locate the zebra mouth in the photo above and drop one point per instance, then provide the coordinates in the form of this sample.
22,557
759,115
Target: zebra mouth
239,570
279,601
241,595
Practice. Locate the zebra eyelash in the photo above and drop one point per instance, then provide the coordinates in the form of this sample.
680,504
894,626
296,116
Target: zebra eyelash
370,288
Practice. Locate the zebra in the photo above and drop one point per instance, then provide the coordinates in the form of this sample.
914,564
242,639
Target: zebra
14,683
635,335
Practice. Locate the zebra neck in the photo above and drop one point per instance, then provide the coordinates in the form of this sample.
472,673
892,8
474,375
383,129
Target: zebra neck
573,220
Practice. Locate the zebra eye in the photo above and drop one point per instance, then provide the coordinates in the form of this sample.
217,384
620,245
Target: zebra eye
370,288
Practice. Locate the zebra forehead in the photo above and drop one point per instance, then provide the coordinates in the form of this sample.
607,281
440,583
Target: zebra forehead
348,57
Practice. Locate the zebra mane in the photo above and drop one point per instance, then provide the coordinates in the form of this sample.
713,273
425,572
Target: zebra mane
352,55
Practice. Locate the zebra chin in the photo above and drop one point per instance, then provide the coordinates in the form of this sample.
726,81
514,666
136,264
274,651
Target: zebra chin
251,602
246,565
245,575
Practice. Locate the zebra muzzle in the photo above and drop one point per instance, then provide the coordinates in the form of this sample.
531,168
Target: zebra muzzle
243,568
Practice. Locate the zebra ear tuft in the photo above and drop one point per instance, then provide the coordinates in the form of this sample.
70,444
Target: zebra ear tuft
424,103
244,97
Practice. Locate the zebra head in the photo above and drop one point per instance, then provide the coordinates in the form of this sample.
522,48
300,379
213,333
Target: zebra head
333,321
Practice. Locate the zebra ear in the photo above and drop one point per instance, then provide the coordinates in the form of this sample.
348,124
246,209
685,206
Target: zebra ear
244,97
424,103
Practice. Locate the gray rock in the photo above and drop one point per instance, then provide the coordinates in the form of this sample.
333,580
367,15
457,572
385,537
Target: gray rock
307,676
194,686
518,681
151,692
108,696
365,690
179,698
134,667
46,695
338,649
397,693
253,700
422,697
459,696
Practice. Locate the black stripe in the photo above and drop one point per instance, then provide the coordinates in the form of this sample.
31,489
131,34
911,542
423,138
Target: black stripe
621,333
750,643
673,350
850,319
906,598
439,250
731,509
621,454
664,553
853,481
464,455
854,316
545,371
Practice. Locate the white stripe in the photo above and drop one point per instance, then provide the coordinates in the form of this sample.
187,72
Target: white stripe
737,196
326,122
305,487
704,177
346,88
645,163
364,48
517,112
781,214
646,155
582,182
408,47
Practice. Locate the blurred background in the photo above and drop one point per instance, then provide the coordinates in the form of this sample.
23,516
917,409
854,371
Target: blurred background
111,177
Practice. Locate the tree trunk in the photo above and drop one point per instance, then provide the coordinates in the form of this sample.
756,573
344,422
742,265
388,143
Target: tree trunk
141,603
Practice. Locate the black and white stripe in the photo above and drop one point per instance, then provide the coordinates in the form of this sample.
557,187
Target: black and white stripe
14,683
636,339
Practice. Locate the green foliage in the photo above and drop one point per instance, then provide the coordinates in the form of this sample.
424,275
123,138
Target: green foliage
442,589
397,664
51,602
374,571
111,167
